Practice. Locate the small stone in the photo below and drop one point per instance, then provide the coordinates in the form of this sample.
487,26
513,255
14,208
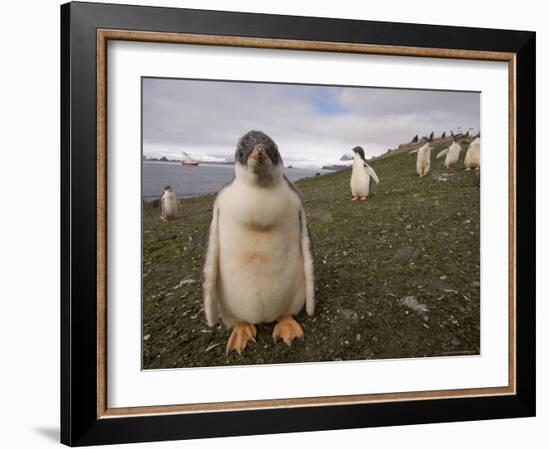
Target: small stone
349,315
414,305
147,337
185,282
322,215
358,337
164,238
405,254
455,342
211,347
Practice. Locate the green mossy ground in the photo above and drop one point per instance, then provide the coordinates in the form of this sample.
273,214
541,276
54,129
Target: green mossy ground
414,237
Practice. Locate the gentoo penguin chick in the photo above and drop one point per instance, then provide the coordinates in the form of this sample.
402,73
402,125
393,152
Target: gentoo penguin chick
259,262
452,152
168,204
361,176
423,156
471,160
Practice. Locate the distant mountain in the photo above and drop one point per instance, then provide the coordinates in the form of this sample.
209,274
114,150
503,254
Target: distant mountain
334,167
179,155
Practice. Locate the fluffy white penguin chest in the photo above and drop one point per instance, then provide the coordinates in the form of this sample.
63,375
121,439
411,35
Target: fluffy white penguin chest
452,154
169,203
261,266
359,178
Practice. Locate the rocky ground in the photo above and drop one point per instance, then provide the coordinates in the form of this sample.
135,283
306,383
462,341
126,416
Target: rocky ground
396,276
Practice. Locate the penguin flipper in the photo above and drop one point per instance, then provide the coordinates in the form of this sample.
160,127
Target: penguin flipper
413,151
307,254
442,153
372,173
210,271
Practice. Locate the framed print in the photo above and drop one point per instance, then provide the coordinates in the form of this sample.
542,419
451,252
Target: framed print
278,224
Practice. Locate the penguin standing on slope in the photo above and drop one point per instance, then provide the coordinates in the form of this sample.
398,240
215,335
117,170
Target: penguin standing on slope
168,204
259,261
423,157
472,159
452,153
361,176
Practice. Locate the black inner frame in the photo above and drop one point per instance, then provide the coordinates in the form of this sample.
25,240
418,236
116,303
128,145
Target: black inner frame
79,422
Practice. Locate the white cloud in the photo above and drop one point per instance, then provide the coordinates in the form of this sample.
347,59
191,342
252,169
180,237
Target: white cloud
309,123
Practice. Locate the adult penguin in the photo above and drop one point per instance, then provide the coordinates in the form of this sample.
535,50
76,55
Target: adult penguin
451,153
423,157
362,175
472,158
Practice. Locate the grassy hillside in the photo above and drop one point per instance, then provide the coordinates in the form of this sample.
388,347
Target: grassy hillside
396,276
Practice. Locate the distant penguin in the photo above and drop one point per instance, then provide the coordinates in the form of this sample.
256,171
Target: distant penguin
423,156
168,204
452,153
361,176
472,159
259,259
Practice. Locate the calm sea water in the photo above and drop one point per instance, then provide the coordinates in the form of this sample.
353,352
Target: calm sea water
188,181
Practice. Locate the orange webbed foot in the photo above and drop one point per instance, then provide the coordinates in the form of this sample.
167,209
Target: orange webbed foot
239,338
287,329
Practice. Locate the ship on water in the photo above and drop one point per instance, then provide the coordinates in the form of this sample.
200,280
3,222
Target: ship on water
188,161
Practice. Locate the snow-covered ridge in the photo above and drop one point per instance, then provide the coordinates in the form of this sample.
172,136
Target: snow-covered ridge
297,162
178,155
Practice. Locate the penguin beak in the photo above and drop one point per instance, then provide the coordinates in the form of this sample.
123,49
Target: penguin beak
259,153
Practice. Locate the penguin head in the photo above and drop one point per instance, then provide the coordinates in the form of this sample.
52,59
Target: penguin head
168,189
359,152
257,159
427,146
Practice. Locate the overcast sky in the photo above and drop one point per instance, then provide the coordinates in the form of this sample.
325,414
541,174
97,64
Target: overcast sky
308,123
